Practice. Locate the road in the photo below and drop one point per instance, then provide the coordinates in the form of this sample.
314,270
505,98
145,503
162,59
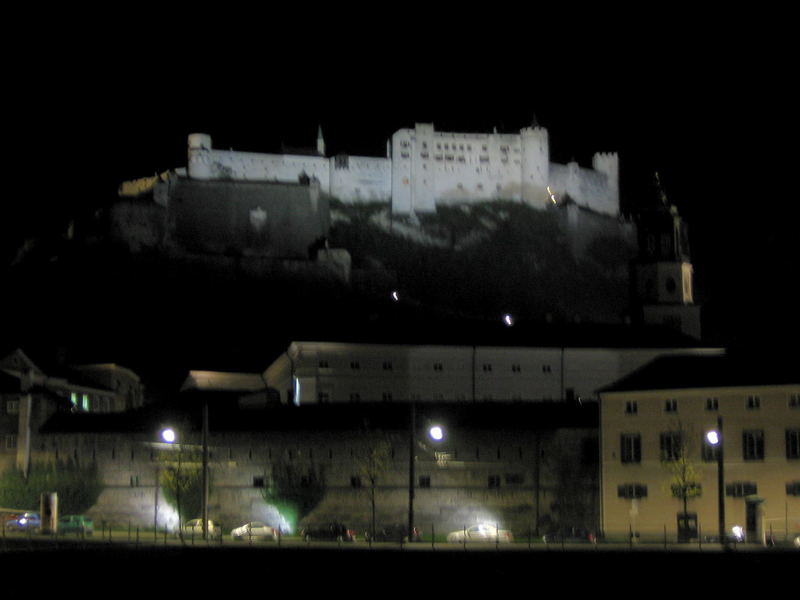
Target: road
294,567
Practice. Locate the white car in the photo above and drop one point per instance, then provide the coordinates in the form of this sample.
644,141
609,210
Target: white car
480,533
194,529
255,530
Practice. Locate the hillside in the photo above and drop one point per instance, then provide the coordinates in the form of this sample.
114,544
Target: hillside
97,302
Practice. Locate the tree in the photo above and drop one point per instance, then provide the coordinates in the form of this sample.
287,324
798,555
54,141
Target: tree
676,457
78,486
181,479
294,491
375,463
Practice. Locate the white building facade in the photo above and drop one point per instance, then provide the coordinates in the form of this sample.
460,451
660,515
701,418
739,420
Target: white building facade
322,372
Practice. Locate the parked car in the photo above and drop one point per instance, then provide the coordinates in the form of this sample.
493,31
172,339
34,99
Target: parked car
480,533
333,531
255,530
75,524
194,529
29,521
570,535
393,533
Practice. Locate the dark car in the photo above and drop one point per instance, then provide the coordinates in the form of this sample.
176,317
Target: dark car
79,524
334,531
29,521
393,533
570,536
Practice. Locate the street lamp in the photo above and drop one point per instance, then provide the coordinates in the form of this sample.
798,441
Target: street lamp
714,438
435,433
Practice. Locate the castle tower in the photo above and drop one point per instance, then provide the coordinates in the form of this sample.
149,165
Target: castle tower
663,270
608,164
535,166
320,142
198,165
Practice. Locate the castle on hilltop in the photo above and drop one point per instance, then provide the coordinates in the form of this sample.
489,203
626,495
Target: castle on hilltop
425,168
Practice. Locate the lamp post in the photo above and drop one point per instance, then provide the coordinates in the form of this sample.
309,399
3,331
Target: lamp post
714,438
435,433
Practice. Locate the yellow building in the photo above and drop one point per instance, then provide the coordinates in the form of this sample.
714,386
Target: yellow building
653,427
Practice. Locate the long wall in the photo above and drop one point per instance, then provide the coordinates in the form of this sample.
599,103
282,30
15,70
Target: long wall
428,168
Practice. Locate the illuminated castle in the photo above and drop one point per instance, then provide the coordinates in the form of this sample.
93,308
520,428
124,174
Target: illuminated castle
425,168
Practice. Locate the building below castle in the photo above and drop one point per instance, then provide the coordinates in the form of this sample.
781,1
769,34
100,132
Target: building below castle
423,169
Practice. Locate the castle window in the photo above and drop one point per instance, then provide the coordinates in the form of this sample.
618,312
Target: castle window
387,365
386,396
793,488
753,402
631,448
632,490
631,407
740,489
793,444
12,407
424,481
712,403
671,405
259,482
355,365
794,401
515,368
671,445
438,367
355,481
494,481
323,364
753,444
355,397
487,367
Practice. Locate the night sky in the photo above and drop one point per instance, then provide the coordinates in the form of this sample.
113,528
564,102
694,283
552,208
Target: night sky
702,101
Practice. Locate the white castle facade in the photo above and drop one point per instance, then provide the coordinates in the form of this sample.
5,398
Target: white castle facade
425,168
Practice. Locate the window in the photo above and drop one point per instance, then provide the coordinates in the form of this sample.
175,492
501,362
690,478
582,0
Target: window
794,400
753,402
514,478
793,444
494,481
631,407
793,488
259,482
387,365
712,403
355,481
355,365
487,367
516,368
11,442
671,405
546,369
424,481
631,448
753,444
438,367
323,397
355,397
740,489
671,445
386,396
632,490
323,364
12,407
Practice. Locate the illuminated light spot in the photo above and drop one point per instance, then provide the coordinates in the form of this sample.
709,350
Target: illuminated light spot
168,435
508,320
436,433
395,296
713,437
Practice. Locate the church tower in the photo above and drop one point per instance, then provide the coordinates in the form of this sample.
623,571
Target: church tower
663,272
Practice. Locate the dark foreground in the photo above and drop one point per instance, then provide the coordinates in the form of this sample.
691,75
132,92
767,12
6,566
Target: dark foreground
106,571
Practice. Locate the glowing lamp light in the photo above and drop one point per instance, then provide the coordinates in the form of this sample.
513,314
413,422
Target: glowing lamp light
508,319
436,433
395,296
713,437
168,435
